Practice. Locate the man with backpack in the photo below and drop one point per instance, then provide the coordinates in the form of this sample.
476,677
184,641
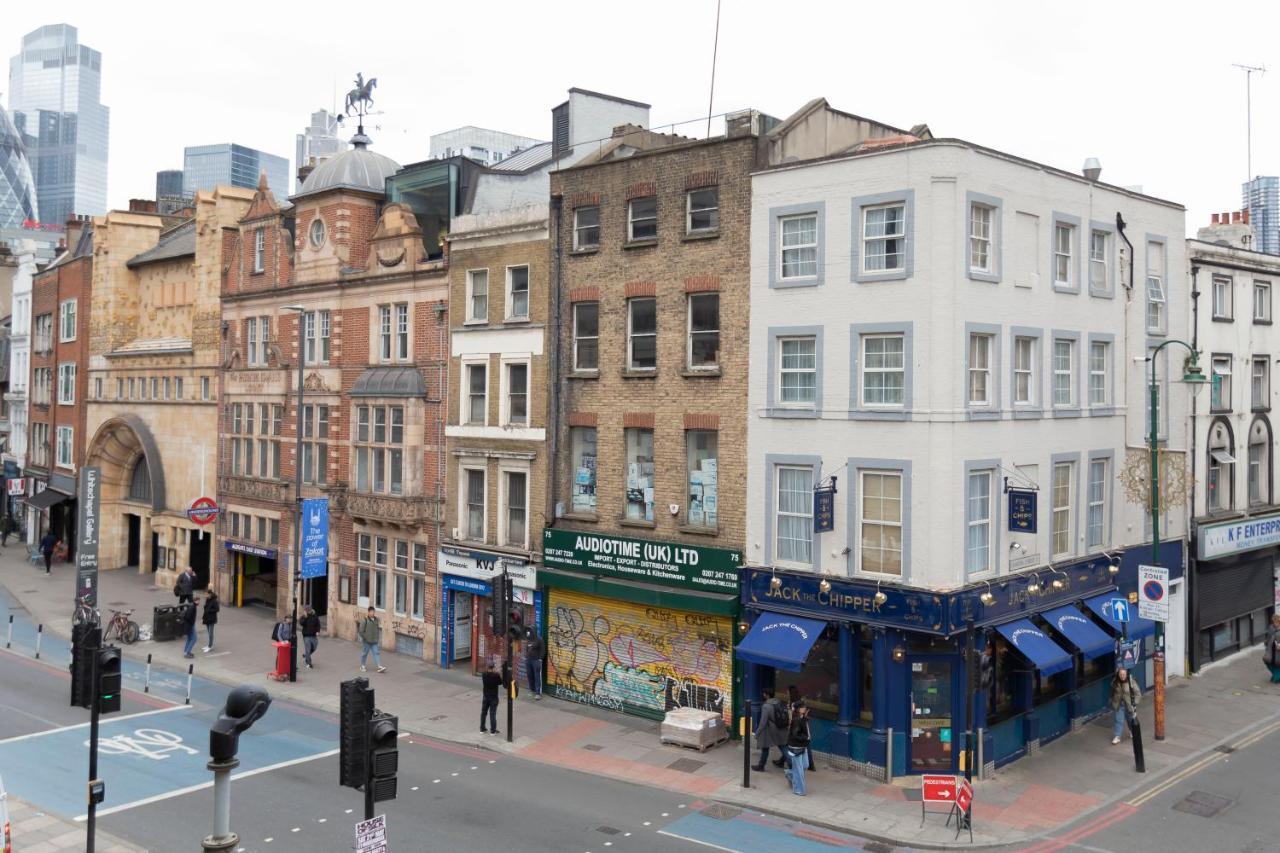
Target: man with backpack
772,729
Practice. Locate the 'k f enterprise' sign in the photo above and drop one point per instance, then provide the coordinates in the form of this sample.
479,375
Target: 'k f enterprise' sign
1236,537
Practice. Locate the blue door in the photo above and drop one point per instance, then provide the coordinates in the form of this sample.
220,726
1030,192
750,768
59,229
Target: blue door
931,744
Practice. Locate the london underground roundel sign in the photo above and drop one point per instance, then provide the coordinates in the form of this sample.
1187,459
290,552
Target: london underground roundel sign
203,510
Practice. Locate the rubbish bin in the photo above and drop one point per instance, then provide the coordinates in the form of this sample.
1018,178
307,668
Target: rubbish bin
281,672
164,622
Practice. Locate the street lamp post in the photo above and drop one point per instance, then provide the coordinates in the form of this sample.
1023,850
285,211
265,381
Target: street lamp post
296,566
1192,375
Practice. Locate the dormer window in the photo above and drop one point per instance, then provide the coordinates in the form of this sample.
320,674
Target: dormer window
259,250
317,233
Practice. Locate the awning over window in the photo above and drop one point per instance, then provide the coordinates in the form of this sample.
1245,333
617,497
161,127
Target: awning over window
1222,457
1044,654
1090,640
1138,627
780,641
46,499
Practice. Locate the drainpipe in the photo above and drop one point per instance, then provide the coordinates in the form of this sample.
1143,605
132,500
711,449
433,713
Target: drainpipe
1193,565
553,366
1133,259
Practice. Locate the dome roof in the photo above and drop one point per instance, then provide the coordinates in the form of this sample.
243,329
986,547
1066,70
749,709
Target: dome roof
17,189
354,169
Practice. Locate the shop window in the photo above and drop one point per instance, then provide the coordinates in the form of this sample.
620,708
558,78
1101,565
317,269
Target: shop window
639,473
703,500
818,681
582,447
866,676
1001,701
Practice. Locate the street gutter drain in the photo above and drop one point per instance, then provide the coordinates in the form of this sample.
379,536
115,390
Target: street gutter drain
877,847
686,765
608,830
720,812
1203,804
592,747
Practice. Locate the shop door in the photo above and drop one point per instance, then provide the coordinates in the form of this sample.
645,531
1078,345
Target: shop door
315,592
462,626
931,749
135,540
155,550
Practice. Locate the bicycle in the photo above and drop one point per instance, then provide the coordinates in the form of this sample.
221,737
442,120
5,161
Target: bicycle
85,613
121,627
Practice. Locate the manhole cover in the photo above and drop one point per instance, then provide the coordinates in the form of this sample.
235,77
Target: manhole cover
877,847
1203,804
686,765
592,747
608,830
720,812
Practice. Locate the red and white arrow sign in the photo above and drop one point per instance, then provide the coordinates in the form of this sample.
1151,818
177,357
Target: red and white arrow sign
936,788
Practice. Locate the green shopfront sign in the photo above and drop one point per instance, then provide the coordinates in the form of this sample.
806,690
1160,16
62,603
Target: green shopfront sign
671,563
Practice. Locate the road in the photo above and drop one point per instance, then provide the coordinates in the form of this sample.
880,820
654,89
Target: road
285,795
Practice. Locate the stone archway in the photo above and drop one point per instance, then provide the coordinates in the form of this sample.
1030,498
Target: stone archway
122,447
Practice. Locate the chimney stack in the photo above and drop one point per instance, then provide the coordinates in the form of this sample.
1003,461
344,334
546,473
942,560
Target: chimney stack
1214,220
1246,215
142,205
1235,217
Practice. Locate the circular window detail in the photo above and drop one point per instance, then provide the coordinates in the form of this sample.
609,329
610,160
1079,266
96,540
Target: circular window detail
317,233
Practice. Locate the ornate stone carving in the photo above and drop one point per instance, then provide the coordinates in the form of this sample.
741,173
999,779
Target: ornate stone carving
254,489
314,382
391,508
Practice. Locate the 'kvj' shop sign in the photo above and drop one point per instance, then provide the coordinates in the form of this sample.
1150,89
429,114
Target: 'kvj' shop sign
691,566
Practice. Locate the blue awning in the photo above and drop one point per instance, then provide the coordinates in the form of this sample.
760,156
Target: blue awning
780,641
1080,631
1046,655
1138,627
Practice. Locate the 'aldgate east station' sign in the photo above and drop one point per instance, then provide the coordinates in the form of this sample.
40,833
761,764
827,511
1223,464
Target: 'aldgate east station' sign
671,563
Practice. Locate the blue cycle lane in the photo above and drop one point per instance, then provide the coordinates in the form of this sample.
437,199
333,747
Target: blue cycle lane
151,755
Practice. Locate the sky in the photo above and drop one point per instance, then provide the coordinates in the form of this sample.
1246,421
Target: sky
1146,87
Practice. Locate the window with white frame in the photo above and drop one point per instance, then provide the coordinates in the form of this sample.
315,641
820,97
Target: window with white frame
516,517
64,447
477,405
1064,357
702,480
40,443
586,336
798,246
364,568
1261,383
1157,299
477,296
380,572
582,452
1063,236
1259,463
797,371
379,449
1221,297
879,522
177,388
400,576
205,391
642,333
316,331
259,249
980,370
66,384
1096,511
42,386
1221,481
518,394
1262,302
702,211
1099,373
980,255
418,605
704,331
884,373
793,530
639,462
586,228
1099,247
251,339
1024,354
642,218
315,444
884,238
474,496
978,522
42,334
1061,497
518,293
402,331
67,321
155,387
97,388
1220,384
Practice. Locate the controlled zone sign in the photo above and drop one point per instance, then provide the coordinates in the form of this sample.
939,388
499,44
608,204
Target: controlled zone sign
1153,593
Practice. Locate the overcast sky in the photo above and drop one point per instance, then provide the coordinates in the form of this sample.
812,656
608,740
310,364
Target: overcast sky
1147,87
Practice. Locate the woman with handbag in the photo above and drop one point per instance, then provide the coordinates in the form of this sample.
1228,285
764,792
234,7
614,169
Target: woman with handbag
1271,651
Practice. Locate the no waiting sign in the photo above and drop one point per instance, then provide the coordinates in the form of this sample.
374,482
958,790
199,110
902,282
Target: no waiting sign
1153,593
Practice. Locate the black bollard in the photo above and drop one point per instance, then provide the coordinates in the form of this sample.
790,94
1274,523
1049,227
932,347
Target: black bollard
1135,731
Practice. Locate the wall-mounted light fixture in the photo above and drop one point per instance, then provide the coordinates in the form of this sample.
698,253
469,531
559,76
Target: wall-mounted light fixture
824,585
899,654
775,583
1034,585
987,597
879,598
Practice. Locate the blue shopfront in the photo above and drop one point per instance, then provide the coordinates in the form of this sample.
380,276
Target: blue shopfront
466,605
886,672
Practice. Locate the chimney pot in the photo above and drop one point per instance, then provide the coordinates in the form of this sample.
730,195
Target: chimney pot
1245,213
1235,217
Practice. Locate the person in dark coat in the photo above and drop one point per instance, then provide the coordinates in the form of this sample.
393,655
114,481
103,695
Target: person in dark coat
798,748
210,617
184,586
1271,651
794,701
310,627
187,619
534,651
47,544
7,529
1125,696
490,681
768,733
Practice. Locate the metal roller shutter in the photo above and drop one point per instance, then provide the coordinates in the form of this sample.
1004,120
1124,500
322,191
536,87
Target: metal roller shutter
1234,591
637,659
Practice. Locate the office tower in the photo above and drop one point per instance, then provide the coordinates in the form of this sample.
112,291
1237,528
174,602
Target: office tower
1261,197
227,164
320,140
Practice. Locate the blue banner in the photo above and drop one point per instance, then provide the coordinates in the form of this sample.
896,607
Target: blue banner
315,538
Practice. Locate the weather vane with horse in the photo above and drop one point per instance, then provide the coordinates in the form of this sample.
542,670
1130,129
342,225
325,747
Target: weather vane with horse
360,100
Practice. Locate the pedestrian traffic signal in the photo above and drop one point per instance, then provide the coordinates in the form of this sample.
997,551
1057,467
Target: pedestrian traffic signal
384,755
355,708
85,640
109,681
515,625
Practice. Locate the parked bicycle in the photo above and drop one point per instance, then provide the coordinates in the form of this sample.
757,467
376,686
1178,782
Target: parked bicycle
121,627
86,613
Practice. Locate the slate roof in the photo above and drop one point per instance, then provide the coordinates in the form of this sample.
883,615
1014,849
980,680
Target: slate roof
390,382
177,242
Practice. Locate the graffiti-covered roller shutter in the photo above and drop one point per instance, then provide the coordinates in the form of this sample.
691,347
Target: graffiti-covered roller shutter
638,659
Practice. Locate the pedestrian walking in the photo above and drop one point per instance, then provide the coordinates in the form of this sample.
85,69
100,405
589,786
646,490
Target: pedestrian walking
370,641
185,586
7,529
771,731
210,617
47,544
188,623
310,634
794,701
534,651
1271,651
798,749
1125,695
490,681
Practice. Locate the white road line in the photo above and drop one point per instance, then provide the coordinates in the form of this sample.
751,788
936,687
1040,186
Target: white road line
696,841
113,719
168,795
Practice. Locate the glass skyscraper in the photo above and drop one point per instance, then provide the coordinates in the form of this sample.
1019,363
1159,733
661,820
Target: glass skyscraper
17,189
207,166
55,86
1262,199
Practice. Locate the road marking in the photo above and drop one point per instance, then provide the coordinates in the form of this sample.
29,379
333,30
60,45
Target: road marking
296,829
75,726
1204,762
323,820
178,792
1117,813
697,841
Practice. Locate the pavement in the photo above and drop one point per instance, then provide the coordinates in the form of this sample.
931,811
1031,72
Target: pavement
1078,781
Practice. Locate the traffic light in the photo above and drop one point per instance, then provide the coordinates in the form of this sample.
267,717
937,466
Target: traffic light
109,680
245,706
500,598
85,640
515,624
384,755
355,708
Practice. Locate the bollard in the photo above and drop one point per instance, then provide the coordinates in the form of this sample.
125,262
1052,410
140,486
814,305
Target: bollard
146,684
8,641
190,669
39,636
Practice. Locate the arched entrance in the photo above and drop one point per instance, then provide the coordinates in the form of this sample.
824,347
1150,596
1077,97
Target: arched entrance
132,490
